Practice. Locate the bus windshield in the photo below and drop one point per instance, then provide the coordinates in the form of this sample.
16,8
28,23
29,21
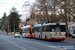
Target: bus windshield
27,30
57,28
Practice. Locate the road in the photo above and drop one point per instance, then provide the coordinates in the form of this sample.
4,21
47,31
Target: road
8,42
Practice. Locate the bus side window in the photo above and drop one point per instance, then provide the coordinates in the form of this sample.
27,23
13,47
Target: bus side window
47,28
53,30
29,30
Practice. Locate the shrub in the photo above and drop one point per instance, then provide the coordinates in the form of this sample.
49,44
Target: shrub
20,31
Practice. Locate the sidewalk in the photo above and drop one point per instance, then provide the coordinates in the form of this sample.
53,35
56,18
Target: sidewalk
6,32
70,39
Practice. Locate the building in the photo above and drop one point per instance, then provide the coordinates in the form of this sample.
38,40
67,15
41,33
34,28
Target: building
31,22
21,25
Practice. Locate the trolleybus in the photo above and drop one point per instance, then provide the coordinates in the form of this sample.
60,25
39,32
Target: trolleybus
50,31
27,31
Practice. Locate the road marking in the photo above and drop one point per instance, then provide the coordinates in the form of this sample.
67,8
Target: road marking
23,48
44,44
15,44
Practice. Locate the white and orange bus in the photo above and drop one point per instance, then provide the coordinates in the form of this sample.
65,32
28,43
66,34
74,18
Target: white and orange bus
27,31
50,31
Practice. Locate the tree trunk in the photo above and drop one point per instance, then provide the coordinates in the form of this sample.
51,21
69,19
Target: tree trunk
66,18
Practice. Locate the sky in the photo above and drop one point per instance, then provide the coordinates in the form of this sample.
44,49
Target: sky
8,4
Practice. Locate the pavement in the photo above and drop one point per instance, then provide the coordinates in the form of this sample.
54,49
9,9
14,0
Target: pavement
6,32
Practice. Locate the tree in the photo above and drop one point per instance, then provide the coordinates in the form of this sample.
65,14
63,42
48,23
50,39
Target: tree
14,19
61,10
3,19
6,26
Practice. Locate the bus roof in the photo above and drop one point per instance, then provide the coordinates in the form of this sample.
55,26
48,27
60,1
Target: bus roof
49,24
37,25
26,26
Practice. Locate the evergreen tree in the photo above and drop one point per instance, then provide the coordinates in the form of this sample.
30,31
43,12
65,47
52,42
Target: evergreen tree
14,18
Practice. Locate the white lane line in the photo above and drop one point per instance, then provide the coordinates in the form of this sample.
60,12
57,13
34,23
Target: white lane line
15,44
45,45
23,48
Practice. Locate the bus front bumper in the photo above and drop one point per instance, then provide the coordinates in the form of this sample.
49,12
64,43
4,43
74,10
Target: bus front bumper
57,38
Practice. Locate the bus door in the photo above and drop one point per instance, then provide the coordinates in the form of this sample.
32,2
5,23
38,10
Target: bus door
37,32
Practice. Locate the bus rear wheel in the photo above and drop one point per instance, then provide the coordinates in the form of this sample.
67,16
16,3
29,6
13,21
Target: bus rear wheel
45,38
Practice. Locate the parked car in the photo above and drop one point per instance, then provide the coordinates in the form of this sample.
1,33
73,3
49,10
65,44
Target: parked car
17,34
72,30
73,35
